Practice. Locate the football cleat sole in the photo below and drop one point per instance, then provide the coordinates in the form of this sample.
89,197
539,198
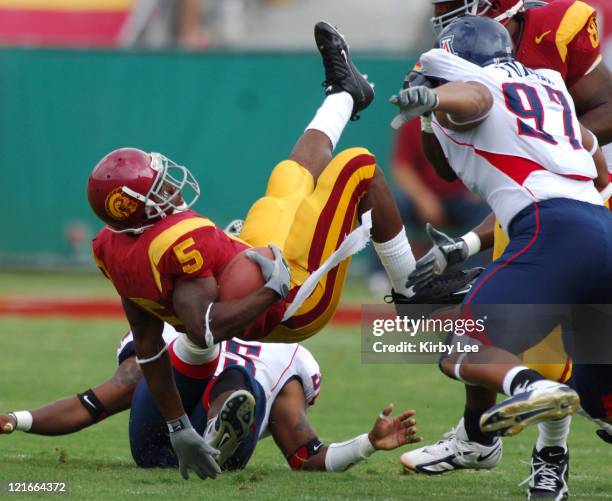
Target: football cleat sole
513,415
233,424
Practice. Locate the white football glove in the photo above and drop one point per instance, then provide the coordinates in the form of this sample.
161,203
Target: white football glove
413,102
191,450
276,273
446,251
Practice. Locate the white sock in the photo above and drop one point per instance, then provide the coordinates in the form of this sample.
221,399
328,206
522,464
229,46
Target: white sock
332,116
191,354
553,433
509,377
397,259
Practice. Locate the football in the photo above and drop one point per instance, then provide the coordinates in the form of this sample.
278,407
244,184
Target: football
242,276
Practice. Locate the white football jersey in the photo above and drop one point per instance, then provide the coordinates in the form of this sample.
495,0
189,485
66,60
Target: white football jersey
530,146
272,364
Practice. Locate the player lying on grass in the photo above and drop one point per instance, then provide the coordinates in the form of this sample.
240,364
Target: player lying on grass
249,391
510,133
165,260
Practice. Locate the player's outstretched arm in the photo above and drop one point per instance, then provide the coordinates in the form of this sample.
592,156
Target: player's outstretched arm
71,414
592,95
447,251
298,441
154,361
458,105
463,105
190,448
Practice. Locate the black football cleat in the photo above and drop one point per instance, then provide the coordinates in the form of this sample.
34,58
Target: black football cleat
450,287
340,72
549,474
233,423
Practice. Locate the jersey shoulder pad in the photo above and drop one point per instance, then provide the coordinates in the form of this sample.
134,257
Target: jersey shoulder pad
178,248
98,245
574,19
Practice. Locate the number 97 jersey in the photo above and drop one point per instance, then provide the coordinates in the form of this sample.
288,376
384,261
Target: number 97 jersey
528,149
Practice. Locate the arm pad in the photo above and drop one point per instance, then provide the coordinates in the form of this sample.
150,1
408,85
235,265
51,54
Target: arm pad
92,404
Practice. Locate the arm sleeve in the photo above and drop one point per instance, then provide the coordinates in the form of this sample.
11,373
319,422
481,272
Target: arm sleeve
584,51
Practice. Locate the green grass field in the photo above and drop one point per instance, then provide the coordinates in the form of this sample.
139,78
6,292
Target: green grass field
42,359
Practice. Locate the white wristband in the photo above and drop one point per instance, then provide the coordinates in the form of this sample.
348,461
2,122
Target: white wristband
209,340
473,243
142,361
426,124
24,420
606,193
342,456
595,144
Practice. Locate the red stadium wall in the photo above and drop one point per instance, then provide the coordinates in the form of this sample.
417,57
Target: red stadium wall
62,22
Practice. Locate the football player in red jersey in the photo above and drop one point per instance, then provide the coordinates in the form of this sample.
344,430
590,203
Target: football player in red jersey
561,35
164,259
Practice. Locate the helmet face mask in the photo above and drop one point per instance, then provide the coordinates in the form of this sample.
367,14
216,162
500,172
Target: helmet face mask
452,9
498,10
130,189
167,192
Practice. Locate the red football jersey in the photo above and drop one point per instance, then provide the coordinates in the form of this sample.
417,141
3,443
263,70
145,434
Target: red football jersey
145,268
562,36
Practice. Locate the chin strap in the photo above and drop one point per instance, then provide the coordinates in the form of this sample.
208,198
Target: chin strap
510,13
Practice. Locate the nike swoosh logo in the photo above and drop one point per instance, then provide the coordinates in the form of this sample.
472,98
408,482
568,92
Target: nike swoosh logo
224,439
486,456
316,449
343,52
538,40
86,398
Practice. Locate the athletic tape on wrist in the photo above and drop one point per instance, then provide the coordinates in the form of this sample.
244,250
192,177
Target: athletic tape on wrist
24,420
342,456
473,243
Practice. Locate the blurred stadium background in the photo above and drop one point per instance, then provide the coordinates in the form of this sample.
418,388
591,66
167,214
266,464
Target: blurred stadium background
223,86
